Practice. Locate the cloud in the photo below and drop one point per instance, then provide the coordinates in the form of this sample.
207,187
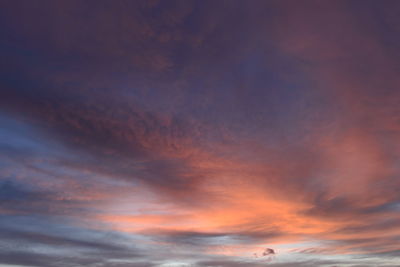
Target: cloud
268,251
228,263
44,241
200,128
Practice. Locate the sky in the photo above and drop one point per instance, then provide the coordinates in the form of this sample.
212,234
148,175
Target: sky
208,133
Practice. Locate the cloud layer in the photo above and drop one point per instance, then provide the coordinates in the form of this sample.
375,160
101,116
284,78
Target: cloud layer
199,133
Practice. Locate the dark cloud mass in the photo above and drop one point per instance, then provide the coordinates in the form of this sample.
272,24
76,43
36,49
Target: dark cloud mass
268,251
199,133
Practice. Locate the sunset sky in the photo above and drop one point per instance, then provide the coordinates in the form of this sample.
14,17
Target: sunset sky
208,133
